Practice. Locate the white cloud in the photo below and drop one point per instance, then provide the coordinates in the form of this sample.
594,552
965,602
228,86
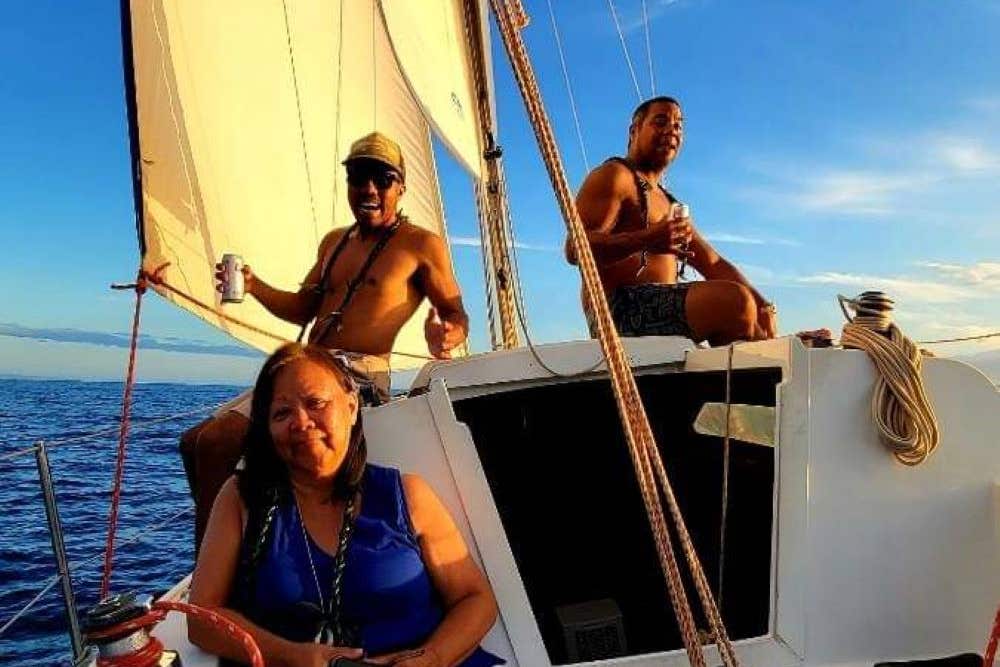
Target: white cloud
632,20
894,171
946,284
726,237
964,154
981,275
988,103
474,242
858,192
466,241
912,290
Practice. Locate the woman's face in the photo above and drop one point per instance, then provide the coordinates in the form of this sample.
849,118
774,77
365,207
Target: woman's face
311,416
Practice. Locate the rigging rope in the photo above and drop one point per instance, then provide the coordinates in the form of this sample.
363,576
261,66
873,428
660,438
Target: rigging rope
31,603
137,535
649,50
491,192
991,646
725,472
109,546
49,444
900,408
963,339
523,317
650,471
628,58
336,119
489,273
157,280
374,71
569,86
302,129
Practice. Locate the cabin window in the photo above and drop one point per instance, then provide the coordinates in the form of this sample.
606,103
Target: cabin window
563,483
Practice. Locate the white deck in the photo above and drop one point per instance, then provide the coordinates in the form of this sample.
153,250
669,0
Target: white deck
875,560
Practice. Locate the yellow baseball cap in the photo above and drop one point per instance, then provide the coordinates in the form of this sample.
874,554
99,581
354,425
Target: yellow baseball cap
376,146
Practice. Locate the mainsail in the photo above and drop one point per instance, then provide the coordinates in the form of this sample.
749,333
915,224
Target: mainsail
241,117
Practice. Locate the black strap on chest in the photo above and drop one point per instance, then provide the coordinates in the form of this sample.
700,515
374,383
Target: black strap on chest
335,317
643,186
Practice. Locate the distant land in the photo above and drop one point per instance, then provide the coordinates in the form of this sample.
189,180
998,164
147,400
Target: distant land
6,377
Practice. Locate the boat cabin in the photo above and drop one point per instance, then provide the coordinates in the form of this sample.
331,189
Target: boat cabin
820,547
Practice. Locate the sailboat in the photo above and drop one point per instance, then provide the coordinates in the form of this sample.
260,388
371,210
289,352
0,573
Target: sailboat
820,549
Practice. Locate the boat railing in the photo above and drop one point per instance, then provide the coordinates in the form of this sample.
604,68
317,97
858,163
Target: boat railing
39,452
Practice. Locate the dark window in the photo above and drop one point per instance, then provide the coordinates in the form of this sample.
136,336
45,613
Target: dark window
560,474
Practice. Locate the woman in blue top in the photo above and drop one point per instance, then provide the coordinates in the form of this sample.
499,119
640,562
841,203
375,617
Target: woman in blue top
320,555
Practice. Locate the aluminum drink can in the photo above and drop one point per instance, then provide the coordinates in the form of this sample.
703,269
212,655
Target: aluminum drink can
683,211
232,267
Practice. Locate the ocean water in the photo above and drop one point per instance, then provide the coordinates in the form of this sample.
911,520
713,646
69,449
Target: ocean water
155,489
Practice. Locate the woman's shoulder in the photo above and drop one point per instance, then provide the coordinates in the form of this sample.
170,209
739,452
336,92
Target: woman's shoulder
405,498
387,477
229,502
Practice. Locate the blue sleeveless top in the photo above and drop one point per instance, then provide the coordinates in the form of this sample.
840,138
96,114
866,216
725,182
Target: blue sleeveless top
387,593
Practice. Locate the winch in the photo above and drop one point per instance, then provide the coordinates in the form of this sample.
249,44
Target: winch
119,628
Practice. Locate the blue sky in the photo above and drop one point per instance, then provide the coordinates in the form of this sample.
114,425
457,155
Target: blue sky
831,147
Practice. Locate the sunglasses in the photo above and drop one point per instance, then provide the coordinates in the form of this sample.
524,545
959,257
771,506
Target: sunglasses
382,178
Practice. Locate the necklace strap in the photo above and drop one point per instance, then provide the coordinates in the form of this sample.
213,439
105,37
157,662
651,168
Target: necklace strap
332,629
334,318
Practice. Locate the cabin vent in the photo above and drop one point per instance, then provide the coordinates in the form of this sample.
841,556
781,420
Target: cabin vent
593,630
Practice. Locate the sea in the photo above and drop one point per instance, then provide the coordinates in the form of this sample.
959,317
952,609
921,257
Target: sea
155,545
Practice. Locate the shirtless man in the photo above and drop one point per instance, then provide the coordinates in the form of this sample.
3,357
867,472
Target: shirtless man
367,281
638,236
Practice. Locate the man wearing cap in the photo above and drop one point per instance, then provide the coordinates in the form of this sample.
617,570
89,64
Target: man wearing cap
367,281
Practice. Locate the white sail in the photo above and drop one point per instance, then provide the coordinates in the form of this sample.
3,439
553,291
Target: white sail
243,118
434,32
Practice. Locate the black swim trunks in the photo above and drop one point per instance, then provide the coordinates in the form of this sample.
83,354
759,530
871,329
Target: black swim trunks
649,310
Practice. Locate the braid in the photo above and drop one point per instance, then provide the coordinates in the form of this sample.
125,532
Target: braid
255,541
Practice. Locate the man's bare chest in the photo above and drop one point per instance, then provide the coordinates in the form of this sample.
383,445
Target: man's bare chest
636,214
366,268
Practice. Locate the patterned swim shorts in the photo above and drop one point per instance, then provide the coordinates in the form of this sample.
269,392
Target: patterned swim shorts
649,310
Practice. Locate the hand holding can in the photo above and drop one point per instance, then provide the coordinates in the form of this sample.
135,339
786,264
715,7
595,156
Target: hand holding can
231,280
683,211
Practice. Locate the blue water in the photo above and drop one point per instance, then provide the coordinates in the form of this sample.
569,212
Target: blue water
155,488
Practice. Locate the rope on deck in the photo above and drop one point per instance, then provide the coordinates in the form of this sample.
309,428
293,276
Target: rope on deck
900,408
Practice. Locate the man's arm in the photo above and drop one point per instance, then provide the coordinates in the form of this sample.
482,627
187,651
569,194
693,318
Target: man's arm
713,266
447,324
599,203
296,307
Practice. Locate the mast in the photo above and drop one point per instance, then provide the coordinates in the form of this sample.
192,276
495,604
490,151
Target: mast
491,196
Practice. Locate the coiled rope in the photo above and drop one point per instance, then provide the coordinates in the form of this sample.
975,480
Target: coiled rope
650,471
900,408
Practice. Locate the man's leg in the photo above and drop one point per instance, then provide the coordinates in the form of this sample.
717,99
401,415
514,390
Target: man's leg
188,446
721,312
218,446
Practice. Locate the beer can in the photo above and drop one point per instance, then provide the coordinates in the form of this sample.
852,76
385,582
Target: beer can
683,210
232,268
